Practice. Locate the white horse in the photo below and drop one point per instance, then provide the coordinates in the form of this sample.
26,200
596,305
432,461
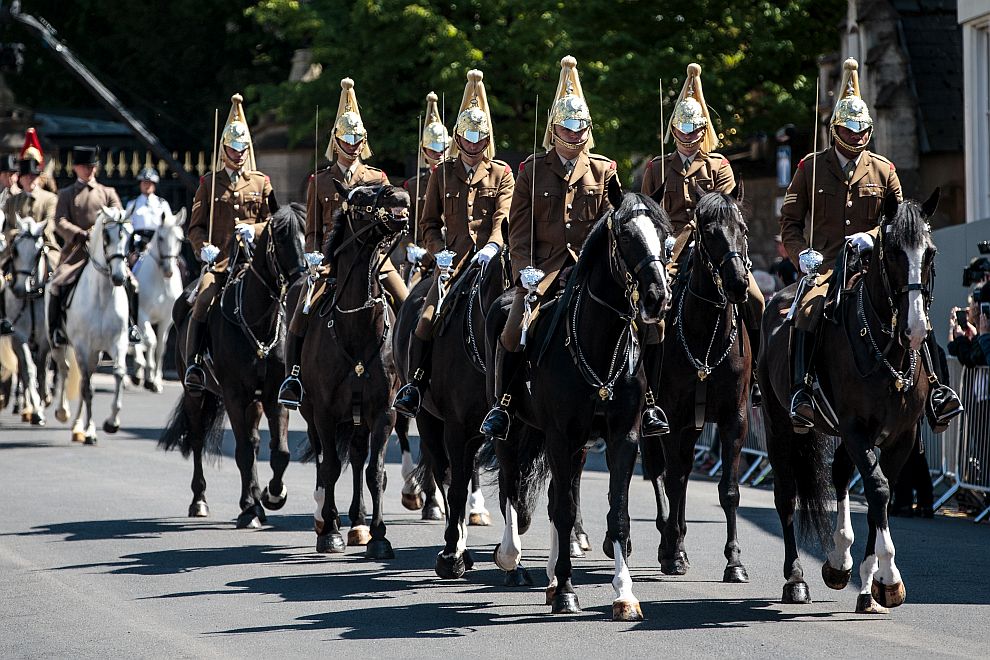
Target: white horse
160,285
96,317
25,300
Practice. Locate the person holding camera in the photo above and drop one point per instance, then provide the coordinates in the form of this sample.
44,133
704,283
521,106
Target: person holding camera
969,330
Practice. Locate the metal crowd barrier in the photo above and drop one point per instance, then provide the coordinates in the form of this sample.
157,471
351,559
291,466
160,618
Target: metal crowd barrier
754,446
965,451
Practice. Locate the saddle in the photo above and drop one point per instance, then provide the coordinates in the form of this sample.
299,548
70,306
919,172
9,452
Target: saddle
457,292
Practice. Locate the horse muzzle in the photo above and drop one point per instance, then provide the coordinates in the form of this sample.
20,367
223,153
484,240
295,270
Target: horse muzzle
117,279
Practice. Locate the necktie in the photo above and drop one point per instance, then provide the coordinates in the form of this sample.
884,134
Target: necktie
470,174
850,168
568,168
234,176
347,175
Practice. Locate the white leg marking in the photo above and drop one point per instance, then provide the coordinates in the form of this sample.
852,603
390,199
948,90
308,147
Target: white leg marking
552,559
887,573
462,532
407,465
622,583
476,502
917,322
509,552
319,495
866,571
840,558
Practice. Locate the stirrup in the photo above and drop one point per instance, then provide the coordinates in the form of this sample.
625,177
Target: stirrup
58,338
942,407
801,419
496,423
6,327
133,335
195,379
407,400
755,395
654,423
290,394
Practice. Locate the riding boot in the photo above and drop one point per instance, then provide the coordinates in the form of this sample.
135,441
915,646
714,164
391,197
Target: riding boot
755,395
195,378
290,394
6,327
133,332
802,406
55,312
409,398
496,423
654,421
943,404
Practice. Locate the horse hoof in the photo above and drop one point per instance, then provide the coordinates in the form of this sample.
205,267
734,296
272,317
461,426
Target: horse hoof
866,605
413,502
62,415
735,574
25,416
677,566
518,577
483,519
450,568
574,549
358,536
136,380
835,578
796,593
274,502
110,427
252,517
583,541
626,610
565,603
432,513
199,510
379,549
90,440
890,595
78,436
37,419
332,543
151,387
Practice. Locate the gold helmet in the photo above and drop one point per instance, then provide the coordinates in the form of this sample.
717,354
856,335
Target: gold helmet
435,135
691,113
237,135
348,126
850,110
569,108
474,122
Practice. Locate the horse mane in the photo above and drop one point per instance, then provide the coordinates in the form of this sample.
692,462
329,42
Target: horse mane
717,207
292,216
597,236
337,232
908,228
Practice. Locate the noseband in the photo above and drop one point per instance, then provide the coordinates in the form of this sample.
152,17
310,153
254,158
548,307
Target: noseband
34,286
109,258
718,271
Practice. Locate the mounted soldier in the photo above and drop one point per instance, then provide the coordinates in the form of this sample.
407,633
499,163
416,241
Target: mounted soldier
851,184
236,198
146,210
348,149
557,199
8,176
75,213
467,199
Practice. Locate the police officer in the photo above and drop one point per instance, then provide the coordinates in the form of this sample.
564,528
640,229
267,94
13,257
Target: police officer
570,186
467,199
348,149
146,210
851,183
242,198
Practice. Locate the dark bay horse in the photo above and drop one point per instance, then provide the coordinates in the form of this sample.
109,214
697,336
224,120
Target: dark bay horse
344,370
589,382
870,367
247,363
707,365
456,402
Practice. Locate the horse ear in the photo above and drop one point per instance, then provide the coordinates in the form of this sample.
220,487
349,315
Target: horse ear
739,192
697,192
890,205
614,192
37,228
658,194
341,188
928,208
180,217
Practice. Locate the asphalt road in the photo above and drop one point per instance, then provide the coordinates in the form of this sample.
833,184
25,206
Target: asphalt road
97,559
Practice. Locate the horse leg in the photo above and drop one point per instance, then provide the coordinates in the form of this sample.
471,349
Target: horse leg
61,390
378,546
359,533
781,442
433,458
579,543
112,423
732,432
329,467
412,492
244,420
837,568
654,467
565,466
29,378
622,449
508,552
679,453
198,508
454,560
274,496
149,349
478,515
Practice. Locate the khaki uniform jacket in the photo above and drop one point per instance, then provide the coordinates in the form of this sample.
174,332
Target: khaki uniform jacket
75,213
563,211
323,200
40,207
472,211
409,185
245,201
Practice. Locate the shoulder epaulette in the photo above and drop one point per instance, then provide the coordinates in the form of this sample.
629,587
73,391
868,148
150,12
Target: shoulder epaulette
522,165
508,170
884,159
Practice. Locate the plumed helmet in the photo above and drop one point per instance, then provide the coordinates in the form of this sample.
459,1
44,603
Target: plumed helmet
850,110
474,122
435,135
148,174
348,126
569,108
691,113
236,133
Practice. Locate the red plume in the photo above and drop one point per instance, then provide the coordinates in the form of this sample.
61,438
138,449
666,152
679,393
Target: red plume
32,147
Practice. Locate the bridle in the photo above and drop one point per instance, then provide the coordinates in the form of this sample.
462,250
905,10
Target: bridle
36,277
121,253
717,271
163,258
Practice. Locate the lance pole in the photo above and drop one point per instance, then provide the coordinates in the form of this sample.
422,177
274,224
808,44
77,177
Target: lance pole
213,175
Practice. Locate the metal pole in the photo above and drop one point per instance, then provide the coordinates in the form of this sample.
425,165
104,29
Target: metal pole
214,166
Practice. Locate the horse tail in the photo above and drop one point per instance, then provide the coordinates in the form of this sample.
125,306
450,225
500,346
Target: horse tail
312,450
526,450
180,431
811,476
433,462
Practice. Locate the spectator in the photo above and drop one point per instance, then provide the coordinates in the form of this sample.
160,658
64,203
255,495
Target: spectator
783,268
963,339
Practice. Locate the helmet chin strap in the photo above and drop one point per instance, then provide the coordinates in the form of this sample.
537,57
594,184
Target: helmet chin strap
689,145
845,145
231,164
571,145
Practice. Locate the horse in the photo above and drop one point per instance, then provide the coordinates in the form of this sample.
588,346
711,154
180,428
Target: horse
160,284
585,351
456,401
877,385
27,310
246,363
100,287
705,377
346,373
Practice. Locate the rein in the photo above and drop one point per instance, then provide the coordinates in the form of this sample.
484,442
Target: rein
34,286
109,258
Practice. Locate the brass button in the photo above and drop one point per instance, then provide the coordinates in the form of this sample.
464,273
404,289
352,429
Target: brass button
568,246
821,190
567,225
237,194
470,217
546,194
236,206
848,222
570,206
849,203
237,219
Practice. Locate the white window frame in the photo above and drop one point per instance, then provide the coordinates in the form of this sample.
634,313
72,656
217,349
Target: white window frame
976,94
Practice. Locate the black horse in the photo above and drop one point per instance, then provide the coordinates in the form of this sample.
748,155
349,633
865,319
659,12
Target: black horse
348,380
707,364
586,380
246,364
876,379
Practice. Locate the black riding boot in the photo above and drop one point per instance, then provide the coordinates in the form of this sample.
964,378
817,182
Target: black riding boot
654,421
290,394
409,398
496,423
133,333
755,395
802,405
56,333
943,403
195,378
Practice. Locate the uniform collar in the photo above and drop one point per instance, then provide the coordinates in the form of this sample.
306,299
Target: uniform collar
581,165
84,184
480,170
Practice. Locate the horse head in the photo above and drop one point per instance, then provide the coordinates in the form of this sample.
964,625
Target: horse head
370,214
287,246
109,253
639,228
167,242
27,256
904,261
720,241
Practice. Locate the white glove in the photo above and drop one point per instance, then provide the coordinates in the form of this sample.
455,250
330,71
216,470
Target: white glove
861,241
245,231
209,253
485,254
3,242
668,246
414,253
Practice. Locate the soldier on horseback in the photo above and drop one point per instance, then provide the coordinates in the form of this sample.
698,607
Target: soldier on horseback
75,213
146,210
851,183
558,197
348,149
232,199
467,199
